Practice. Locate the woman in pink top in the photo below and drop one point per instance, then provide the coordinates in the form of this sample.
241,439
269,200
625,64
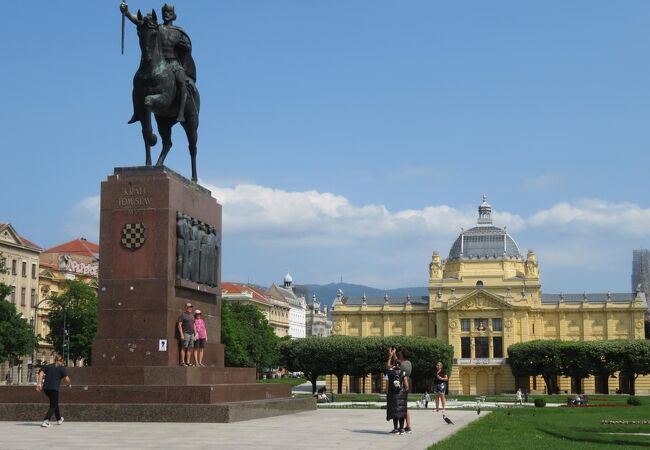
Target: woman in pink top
202,337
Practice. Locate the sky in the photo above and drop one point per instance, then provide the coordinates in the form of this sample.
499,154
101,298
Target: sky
350,139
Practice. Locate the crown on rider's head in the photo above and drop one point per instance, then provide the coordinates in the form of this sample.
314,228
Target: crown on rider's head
169,8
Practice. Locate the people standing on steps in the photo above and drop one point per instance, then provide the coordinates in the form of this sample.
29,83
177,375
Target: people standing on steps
201,338
186,335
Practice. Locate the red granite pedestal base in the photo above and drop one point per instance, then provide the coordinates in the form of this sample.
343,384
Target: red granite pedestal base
135,373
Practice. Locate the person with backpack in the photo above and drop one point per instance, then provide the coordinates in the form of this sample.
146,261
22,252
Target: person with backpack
397,393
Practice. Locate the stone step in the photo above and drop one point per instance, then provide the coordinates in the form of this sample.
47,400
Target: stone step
160,376
185,412
133,394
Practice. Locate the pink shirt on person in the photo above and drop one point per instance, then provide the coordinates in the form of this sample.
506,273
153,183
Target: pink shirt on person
200,328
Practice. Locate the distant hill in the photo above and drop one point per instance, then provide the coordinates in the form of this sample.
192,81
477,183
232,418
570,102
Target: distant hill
326,293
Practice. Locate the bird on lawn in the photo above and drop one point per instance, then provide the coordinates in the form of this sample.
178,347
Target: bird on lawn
447,419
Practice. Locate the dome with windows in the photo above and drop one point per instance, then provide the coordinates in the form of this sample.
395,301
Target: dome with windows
485,241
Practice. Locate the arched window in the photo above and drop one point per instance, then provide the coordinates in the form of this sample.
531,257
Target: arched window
479,284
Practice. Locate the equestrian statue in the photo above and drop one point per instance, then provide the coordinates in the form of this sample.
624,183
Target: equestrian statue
165,82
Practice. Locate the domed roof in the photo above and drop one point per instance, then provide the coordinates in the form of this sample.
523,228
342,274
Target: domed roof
484,241
287,278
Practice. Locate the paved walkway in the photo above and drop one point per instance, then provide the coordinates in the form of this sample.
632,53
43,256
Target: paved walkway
353,429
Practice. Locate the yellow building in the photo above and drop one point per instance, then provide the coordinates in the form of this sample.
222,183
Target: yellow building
485,297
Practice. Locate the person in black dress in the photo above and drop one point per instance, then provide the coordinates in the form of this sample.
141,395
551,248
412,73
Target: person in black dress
397,393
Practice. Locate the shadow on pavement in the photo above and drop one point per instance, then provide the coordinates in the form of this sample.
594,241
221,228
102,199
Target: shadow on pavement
370,432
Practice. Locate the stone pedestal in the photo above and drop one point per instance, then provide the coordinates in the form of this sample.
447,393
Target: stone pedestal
135,373
140,298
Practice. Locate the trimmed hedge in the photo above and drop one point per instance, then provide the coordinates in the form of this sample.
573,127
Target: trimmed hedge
540,402
358,356
634,401
580,359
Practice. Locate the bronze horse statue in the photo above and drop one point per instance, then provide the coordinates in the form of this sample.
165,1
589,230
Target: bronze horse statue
155,91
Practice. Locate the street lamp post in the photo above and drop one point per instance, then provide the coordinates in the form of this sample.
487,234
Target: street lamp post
34,322
65,332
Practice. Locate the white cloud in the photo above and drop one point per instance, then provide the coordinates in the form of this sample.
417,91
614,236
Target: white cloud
312,218
324,233
625,218
326,218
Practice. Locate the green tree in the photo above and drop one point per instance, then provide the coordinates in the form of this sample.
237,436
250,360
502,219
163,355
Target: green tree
633,359
424,353
248,338
576,360
604,359
16,337
340,357
360,356
311,356
535,358
77,307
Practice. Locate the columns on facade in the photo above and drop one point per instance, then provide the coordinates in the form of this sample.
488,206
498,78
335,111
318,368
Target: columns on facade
490,345
609,322
525,326
562,328
472,378
442,324
388,331
472,345
364,325
408,326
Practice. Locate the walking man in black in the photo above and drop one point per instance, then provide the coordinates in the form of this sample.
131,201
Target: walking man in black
53,374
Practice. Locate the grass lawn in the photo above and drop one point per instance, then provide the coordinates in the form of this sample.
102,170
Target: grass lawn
596,399
291,381
554,428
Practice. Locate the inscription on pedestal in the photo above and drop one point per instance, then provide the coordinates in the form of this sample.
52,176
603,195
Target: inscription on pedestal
134,199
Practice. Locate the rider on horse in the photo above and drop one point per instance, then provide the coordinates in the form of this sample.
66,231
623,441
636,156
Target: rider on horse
177,50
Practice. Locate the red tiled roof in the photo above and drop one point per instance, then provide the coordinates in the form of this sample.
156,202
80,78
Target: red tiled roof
76,247
238,288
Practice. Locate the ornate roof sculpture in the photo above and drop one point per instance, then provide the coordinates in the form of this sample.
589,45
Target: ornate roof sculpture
485,241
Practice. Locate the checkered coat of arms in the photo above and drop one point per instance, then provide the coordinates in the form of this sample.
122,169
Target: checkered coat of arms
132,236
